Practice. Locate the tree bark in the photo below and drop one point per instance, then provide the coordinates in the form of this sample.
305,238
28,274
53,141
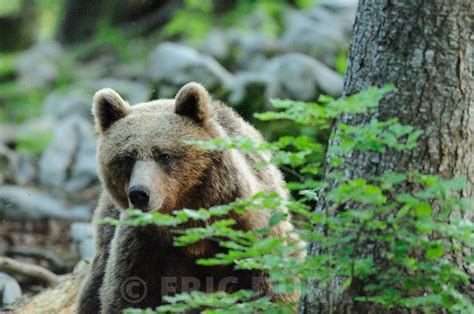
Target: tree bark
426,49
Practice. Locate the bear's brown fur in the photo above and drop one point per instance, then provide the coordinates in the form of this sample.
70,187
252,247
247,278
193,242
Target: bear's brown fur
146,146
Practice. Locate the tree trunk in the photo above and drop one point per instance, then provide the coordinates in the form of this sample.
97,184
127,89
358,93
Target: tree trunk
82,19
18,30
425,48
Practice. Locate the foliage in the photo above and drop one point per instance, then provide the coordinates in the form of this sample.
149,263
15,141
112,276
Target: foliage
10,7
18,101
49,12
341,61
34,142
410,221
193,22
108,36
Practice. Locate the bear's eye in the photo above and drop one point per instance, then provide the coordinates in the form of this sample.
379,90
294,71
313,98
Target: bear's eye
164,158
123,164
128,160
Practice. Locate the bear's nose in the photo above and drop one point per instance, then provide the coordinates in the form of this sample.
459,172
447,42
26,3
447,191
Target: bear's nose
139,196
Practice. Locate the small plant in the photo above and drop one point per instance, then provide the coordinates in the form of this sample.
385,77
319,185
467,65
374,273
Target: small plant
414,235
35,143
341,61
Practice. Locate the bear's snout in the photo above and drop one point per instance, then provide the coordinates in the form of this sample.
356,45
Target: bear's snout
139,196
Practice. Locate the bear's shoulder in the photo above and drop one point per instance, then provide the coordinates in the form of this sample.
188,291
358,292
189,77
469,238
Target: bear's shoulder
233,123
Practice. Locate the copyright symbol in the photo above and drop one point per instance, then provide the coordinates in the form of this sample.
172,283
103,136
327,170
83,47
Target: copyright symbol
133,289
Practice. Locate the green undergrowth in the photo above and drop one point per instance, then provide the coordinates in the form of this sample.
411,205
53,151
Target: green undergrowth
415,233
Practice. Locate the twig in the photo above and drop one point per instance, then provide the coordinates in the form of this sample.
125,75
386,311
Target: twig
300,177
54,262
30,270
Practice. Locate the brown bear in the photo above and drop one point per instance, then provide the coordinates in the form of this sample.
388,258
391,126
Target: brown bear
146,162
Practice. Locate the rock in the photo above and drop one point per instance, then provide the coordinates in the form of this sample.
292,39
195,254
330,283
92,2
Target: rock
33,126
247,82
131,70
60,103
7,133
10,290
8,164
342,9
30,140
58,156
249,93
16,167
59,299
39,67
321,32
294,76
96,67
244,48
69,160
23,204
297,76
84,169
77,99
26,169
251,49
82,240
215,44
172,65
132,91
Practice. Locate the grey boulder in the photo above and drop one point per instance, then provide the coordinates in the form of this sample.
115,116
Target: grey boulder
173,65
297,76
25,204
10,290
60,104
69,160
82,240
39,67
321,32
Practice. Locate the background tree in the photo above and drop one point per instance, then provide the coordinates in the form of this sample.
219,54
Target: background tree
83,19
425,49
17,25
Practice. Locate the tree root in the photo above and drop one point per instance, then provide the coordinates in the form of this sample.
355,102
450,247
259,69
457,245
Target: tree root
10,265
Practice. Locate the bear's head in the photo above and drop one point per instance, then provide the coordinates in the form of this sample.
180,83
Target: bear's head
144,155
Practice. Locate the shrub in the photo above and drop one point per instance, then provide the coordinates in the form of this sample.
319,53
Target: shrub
414,235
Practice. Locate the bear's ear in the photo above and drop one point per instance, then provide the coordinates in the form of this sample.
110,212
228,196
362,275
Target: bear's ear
108,107
193,101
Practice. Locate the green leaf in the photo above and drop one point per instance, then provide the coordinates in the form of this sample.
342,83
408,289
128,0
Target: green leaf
423,210
276,218
435,251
